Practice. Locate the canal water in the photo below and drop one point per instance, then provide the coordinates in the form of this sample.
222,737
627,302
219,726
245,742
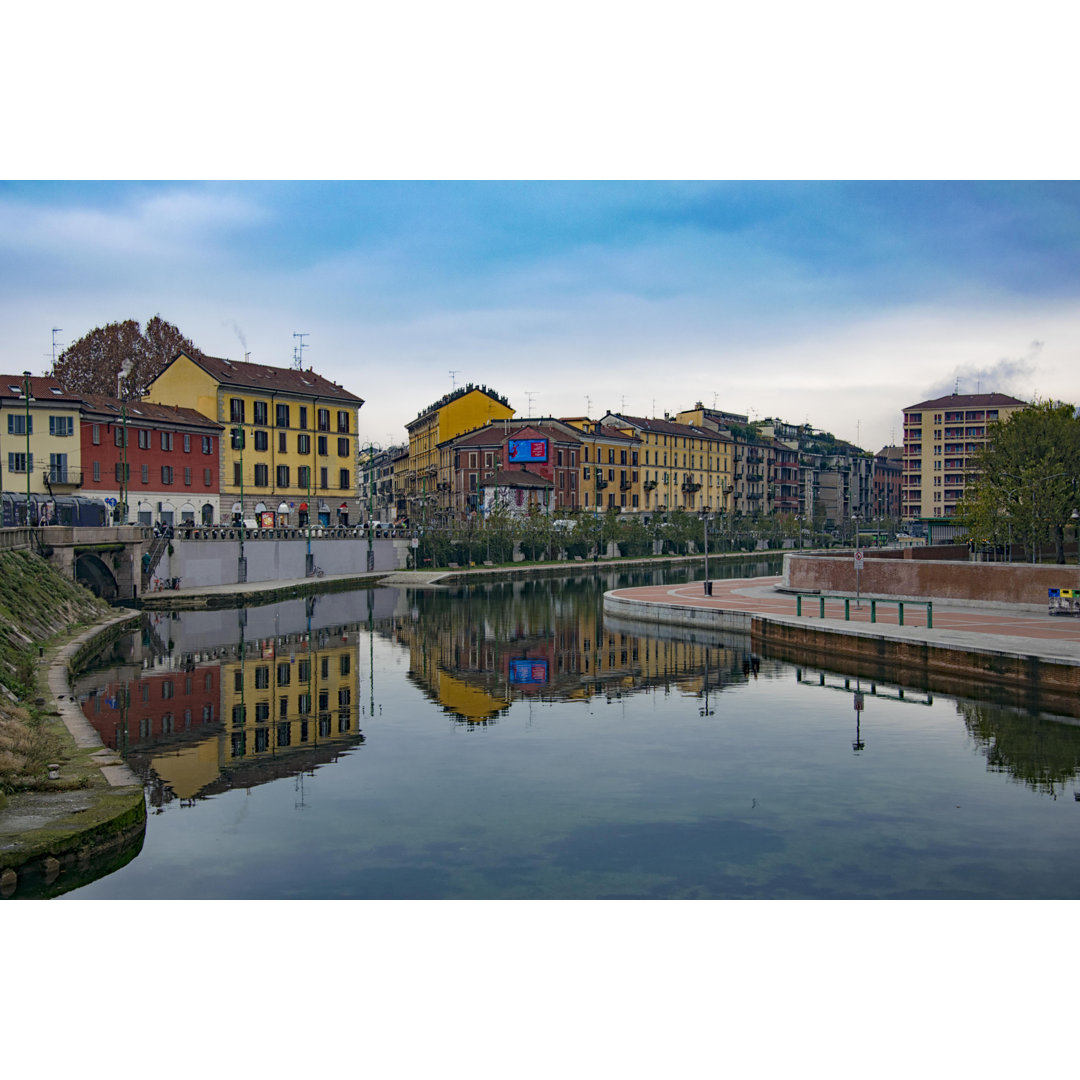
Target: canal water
505,740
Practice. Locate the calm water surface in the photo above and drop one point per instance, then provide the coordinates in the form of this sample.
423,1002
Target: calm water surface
504,741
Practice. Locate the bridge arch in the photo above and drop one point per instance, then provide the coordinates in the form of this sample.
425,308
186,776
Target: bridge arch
92,572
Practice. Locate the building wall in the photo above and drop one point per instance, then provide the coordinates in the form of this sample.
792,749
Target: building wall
42,445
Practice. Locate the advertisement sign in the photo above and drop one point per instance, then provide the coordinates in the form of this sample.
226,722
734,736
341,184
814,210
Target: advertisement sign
522,451
528,671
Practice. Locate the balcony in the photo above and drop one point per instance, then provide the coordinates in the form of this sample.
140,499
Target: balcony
62,478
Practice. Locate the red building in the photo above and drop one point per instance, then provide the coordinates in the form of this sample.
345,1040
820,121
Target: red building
172,458
543,449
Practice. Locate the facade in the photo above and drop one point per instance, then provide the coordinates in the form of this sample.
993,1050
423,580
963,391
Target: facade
543,447
610,465
941,438
426,488
150,462
887,483
517,491
376,483
684,465
39,436
290,452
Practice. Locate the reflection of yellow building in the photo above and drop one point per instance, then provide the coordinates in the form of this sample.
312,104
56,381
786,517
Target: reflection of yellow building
463,410
279,695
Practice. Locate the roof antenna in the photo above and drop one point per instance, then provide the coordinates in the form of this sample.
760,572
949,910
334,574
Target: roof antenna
298,351
453,380
530,394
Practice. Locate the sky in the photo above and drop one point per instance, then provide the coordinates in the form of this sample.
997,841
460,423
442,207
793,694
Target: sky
830,303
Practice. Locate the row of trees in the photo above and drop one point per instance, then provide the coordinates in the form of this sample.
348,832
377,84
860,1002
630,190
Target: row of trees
493,538
1025,489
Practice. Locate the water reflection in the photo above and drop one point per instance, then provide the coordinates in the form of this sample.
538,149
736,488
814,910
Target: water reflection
605,758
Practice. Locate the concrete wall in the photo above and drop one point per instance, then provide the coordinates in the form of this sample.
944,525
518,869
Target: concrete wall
214,562
930,579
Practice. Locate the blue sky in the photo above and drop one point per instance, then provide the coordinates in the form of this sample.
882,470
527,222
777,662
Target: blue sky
833,303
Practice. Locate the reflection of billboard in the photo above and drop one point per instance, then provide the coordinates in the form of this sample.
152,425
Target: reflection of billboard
528,671
523,450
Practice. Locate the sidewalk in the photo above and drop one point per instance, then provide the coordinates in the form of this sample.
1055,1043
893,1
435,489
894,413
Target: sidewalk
995,628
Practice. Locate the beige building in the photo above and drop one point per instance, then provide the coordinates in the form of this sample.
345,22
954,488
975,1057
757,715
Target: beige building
941,438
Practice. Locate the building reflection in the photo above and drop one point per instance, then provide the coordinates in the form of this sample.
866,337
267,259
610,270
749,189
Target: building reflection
199,722
474,651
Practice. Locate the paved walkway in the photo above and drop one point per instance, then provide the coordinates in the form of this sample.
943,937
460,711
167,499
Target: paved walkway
989,627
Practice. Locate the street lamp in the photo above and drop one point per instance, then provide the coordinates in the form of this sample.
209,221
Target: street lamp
26,395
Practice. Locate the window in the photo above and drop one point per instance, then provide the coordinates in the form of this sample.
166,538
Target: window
324,482
123,472
238,476
17,424
303,444
58,472
17,463
143,438
284,673
303,476
343,448
281,415
166,474
262,441
187,477
166,440
208,444
61,425
283,476
323,419
303,674
322,446
622,457
342,420
119,437
206,477
343,479
97,471
95,434
262,677
262,475
260,413
282,442
236,410
302,423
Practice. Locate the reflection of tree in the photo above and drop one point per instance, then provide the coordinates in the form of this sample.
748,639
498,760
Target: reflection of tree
1041,754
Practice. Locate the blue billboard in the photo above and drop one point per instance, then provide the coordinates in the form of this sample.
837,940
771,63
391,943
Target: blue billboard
523,451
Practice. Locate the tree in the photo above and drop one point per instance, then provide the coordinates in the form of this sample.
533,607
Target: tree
94,363
1025,479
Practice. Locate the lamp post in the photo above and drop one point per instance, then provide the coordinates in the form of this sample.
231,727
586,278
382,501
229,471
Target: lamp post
708,583
26,395
371,506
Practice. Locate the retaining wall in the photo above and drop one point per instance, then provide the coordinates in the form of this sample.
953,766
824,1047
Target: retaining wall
918,579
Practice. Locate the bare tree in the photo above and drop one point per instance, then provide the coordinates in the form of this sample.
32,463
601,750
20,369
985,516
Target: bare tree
95,362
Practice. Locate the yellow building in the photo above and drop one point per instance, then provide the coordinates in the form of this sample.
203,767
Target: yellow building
465,409
941,438
610,473
41,437
684,466
289,452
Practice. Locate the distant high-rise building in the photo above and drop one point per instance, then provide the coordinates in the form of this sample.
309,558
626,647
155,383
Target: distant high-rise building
941,439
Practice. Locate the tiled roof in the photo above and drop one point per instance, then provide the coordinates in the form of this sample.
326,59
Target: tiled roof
42,388
969,401
146,411
241,375
668,427
516,478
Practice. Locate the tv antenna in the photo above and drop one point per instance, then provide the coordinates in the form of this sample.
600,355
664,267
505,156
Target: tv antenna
453,380
588,405
530,394
298,350
55,330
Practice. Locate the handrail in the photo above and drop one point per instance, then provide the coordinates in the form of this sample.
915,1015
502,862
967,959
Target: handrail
822,597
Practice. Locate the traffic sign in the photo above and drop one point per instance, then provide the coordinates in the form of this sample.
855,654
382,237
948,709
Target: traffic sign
859,559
